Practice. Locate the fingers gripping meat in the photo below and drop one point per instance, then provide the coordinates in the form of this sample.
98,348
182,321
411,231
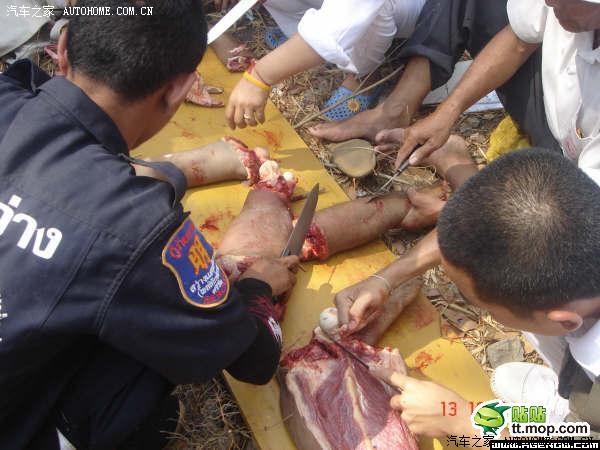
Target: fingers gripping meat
372,333
260,230
351,224
330,401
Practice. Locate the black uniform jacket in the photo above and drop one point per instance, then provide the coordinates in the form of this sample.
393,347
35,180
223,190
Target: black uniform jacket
88,255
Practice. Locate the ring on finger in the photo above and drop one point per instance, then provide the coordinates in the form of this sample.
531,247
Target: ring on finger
247,116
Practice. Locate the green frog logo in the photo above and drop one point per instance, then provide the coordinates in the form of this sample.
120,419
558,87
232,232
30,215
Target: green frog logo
490,418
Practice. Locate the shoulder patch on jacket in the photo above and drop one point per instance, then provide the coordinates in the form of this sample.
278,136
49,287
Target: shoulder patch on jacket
191,259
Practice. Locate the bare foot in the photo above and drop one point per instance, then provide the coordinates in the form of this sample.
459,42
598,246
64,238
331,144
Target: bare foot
427,203
351,82
452,161
363,125
389,139
396,111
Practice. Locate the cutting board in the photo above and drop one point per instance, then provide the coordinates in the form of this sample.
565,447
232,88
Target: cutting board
417,333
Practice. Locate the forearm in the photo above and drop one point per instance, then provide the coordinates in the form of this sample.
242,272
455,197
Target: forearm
493,67
423,256
290,58
258,363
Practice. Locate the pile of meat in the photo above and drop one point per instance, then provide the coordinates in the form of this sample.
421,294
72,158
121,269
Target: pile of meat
331,401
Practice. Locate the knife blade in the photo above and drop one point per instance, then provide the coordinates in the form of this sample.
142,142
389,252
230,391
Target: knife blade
350,354
395,175
298,234
229,19
381,373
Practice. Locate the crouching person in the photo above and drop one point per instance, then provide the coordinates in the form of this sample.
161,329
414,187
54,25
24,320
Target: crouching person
520,239
109,294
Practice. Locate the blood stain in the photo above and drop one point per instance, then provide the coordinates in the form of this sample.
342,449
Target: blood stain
273,140
198,175
187,134
211,223
424,314
424,360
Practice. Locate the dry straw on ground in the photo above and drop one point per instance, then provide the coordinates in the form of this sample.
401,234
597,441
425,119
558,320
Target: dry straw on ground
212,419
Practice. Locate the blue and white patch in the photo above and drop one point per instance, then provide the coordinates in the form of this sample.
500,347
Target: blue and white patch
191,259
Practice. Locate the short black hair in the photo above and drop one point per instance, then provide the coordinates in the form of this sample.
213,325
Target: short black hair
526,229
135,55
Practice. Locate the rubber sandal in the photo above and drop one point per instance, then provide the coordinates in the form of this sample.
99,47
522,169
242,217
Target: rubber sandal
274,37
350,107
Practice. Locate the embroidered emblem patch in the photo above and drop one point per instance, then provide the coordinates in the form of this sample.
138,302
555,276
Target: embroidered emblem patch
191,259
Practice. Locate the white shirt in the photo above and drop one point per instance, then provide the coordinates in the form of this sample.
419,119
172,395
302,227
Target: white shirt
353,34
571,83
585,347
570,78
583,343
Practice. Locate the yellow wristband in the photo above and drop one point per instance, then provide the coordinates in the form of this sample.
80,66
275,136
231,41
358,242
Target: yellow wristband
256,82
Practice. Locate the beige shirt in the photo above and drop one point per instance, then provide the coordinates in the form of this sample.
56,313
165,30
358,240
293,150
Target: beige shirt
570,78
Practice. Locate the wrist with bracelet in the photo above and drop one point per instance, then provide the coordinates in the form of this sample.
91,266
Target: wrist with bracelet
385,281
255,80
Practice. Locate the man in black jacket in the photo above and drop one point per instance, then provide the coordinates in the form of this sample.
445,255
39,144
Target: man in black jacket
109,294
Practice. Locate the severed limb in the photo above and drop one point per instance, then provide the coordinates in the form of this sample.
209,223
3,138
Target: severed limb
227,159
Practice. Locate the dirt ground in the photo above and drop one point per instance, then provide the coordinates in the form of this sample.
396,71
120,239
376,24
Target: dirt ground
211,419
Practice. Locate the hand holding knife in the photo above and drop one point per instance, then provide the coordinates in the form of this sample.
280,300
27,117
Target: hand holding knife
298,234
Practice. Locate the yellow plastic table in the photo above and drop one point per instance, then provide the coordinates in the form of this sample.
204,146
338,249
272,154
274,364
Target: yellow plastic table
417,333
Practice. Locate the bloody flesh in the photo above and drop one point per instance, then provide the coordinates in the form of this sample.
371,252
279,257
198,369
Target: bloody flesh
247,157
335,403
200,94
348,225
331,401
260,230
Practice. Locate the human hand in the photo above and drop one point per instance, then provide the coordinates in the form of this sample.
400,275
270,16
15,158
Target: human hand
422,406
279,273
361,303
424,137
246,105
